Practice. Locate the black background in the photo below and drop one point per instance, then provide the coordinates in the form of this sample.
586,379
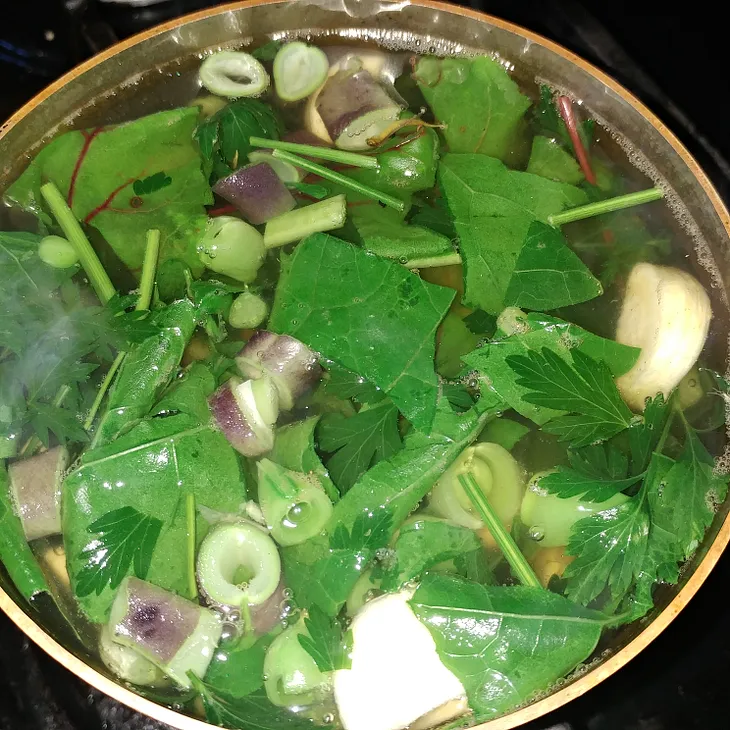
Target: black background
676,61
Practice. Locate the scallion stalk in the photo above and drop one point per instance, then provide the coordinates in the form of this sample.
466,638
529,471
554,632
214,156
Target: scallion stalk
354,159
296,224
605,206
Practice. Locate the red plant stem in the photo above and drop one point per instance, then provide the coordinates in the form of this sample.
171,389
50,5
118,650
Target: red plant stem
101,208
88,139
565,107
222,210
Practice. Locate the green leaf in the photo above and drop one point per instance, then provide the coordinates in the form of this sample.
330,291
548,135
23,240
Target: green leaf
15,553
504,643
318,192
123,537
370,530
477,100
481,323
549,122
458,396
268,51
454,340
504,431
548,159
532,333
424,543
547,274
325,641
434,214
644,435
97,170
151,184
358,442
188,457
238,671
345,384
598,472
375,317
188,394
62,422
214,297
585,389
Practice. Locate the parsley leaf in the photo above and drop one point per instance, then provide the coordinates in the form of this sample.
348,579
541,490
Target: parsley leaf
125,536
595,474
325,641
585,389
370,531
358,442
644,435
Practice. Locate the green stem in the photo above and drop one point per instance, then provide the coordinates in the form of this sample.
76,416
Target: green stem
430,262
507,545
31,446
190,522
343,180
353,159
326,215
103,389
605,206
149,269
98,277
666,430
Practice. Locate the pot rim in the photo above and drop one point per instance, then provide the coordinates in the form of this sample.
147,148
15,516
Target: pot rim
537,709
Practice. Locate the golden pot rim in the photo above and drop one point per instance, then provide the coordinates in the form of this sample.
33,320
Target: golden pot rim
574,688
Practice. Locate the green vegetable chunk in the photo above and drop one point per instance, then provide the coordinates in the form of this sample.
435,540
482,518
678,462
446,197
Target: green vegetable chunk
376,318
126,179
477,100
504,643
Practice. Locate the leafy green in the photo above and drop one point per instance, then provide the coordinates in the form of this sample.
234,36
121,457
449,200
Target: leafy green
123,537
511,256
644,435
370,530
478,102
188,394
432,212
533,333
548,121
504,431
15,553
223,138
358,442
585,389
454,339
422,544
481,323
151,469
343,383
375,317
324,642
268,51
101,172
239,671
458,396
597,472
548,159
504,643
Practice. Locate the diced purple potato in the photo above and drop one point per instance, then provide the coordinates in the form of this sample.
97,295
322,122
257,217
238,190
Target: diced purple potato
245,430
268,614
353,107
257,192
35,485
293,367
286,172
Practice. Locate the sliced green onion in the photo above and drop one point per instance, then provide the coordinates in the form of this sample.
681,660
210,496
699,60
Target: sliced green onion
238,565
299,70
57,252
353,159
232,247
346,182
233,74
315,218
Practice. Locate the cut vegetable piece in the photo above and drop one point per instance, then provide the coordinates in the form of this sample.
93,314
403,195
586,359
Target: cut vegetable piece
292,676
366,588
354,107
396,675
299,70
35,486
248,310
500,479
327,215
257,191
175,634
549,562
271,612
238,565
666,312
290,364
287,172
295,505
58,252
232,247
233,74
127,663
548,519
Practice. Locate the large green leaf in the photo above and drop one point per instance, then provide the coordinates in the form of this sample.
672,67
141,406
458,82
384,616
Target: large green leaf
115,179
374,317
505,644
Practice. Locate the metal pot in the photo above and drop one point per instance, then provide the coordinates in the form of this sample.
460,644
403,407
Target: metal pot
141,74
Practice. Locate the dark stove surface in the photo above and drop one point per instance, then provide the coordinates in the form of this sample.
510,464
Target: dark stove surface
674,61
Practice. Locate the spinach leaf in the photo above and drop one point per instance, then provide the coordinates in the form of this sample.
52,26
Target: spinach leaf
358,442
504,643
532,333
424,543
479,103
597,472
585,389
324,641
187,457
124,538
15,553
548,159
294,450
97,169
223,138
239,671
376,318
511,256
